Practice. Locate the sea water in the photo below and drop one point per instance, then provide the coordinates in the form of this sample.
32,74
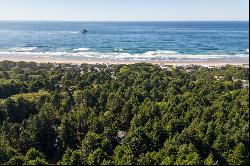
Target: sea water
132,41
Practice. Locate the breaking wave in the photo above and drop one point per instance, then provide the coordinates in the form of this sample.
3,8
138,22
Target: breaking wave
81,49
21,49
85,53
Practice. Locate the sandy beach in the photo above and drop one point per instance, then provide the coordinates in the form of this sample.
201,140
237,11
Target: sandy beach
208,62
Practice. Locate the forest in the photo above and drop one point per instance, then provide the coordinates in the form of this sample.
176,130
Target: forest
140,114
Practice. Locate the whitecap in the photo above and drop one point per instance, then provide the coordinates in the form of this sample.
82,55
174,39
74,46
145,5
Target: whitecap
81,49
118,49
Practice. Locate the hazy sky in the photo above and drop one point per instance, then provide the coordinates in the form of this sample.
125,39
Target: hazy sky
124,10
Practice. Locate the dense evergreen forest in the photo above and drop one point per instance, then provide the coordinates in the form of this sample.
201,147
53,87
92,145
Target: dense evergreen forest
123,114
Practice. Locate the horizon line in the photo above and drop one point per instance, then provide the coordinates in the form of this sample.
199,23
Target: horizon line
125,20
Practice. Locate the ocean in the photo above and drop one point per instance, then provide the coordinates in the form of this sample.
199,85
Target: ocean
131,41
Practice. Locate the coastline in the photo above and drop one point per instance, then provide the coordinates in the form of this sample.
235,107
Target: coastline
208,62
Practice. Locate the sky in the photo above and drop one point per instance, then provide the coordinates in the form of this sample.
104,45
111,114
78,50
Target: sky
125,10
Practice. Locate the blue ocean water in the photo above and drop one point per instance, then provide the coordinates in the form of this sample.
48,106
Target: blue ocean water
125,40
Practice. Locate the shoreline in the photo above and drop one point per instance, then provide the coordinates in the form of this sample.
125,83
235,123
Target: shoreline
208,62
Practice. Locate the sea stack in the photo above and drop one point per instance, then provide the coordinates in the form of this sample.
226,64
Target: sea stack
84,31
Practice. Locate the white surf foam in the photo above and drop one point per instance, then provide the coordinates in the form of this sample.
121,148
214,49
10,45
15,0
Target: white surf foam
81,49
84,53
21,49
74,32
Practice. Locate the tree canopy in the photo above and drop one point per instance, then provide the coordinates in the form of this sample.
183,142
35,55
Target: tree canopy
123,114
